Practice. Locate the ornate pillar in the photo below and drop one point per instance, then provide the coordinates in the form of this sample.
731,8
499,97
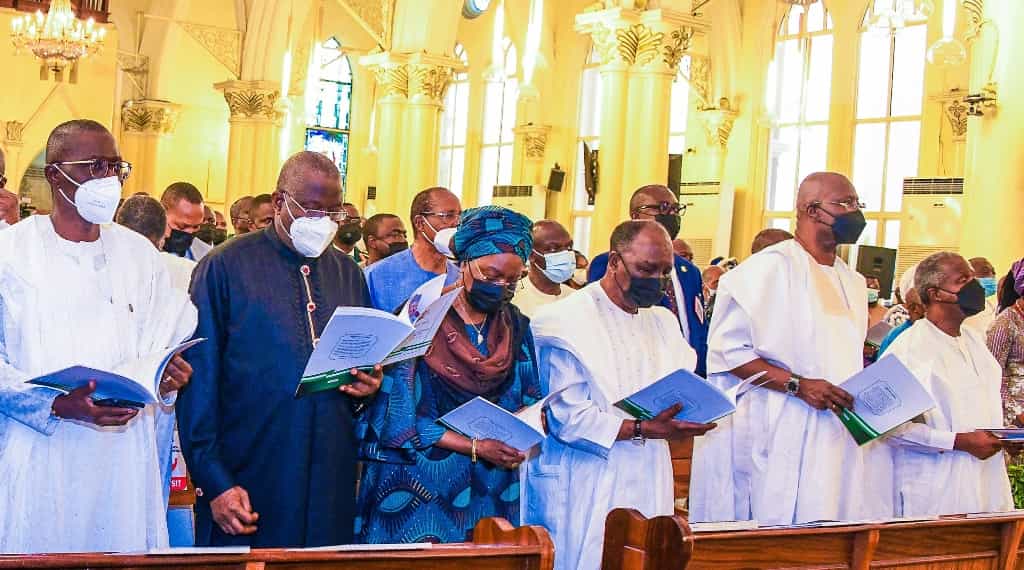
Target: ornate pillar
531,142
410,96
640,53
994,166
12,154
718,121
144,125
253,140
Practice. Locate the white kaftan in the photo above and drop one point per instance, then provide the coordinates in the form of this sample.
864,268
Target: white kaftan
777,460
963,378
597,354
67,486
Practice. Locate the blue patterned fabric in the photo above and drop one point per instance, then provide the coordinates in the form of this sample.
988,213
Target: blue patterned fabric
489,230
413,491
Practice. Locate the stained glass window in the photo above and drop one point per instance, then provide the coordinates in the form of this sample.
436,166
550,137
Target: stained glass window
330,113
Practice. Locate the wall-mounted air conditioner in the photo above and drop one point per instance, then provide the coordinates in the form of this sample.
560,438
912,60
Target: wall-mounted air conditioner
523,198
931,219
707,225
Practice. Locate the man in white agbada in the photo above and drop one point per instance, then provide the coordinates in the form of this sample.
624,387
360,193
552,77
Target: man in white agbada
75,476
798,313
944,463
602,344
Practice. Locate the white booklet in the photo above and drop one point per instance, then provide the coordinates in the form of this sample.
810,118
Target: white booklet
359,337
702,401
131,384
885,396
479,418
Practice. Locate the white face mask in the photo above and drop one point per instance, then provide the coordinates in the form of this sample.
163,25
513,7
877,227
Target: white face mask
579,276
311,236
442,240
96,199
559,266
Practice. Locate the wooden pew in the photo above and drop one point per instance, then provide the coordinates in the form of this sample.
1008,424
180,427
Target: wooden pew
496,545
954,543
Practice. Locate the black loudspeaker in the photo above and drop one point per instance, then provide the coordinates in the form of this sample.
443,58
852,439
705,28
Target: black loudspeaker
878,262
371,192
556,179
675,173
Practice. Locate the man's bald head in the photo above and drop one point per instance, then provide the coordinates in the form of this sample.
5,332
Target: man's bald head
682,249
652,193
625,234
711,276
767,238
822,187
63,141
307,168
548,230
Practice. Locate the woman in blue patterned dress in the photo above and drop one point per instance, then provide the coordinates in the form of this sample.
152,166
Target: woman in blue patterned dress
422,482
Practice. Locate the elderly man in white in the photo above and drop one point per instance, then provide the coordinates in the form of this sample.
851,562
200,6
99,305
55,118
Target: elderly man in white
945,462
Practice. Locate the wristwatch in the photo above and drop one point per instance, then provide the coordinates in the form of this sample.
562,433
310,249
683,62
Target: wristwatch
638,433
793,385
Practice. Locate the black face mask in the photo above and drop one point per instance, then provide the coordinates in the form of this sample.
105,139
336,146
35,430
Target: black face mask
644,292
396,247
848,227
671,222
350,234
211,234
178,242
488,297
970,298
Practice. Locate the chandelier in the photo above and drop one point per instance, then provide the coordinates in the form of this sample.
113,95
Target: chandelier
894,15
58,39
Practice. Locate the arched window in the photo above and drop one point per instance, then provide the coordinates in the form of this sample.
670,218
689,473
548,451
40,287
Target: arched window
499,120
798,94
452,156
887,130
330,107
587,140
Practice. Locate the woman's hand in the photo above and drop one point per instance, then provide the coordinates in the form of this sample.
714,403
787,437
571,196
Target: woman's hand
498,453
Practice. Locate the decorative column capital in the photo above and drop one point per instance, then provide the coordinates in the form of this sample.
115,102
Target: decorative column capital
718,123
650,40
13,131
535,140
251,100
149,116
418,77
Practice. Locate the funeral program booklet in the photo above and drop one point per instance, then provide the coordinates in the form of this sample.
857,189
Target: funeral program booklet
479,418
359,337
133,383
702,401
886,395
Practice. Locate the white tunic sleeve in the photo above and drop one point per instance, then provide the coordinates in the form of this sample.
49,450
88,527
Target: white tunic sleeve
573,416
730,343
922,437
29,405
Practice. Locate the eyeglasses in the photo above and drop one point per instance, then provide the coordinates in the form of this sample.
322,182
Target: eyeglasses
510,285
849,205
101,167
444,216
664,208
337,217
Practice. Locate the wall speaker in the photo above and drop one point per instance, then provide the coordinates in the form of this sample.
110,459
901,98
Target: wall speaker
556,179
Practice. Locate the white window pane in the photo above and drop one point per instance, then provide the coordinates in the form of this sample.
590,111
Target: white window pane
892,234
796,13
444,167
508,120
873,79
680,105
581,235
908,71
492,113
461,113
448,115
771,92
677,144
813,150
790,80
870,235
819,79
815,17
510,58
782,169
869,163
904,147
505,164
488,173
781,224
458,171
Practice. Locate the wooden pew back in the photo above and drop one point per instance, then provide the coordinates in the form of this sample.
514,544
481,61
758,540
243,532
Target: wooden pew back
496,545
993,543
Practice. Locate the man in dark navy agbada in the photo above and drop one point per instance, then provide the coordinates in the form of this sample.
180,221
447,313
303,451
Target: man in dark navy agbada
275,471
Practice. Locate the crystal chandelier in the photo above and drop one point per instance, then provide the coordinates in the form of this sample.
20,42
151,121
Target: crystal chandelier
894,15
58,39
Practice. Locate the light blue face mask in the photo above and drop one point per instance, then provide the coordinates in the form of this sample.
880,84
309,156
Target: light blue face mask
872,296
559,266
989,284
